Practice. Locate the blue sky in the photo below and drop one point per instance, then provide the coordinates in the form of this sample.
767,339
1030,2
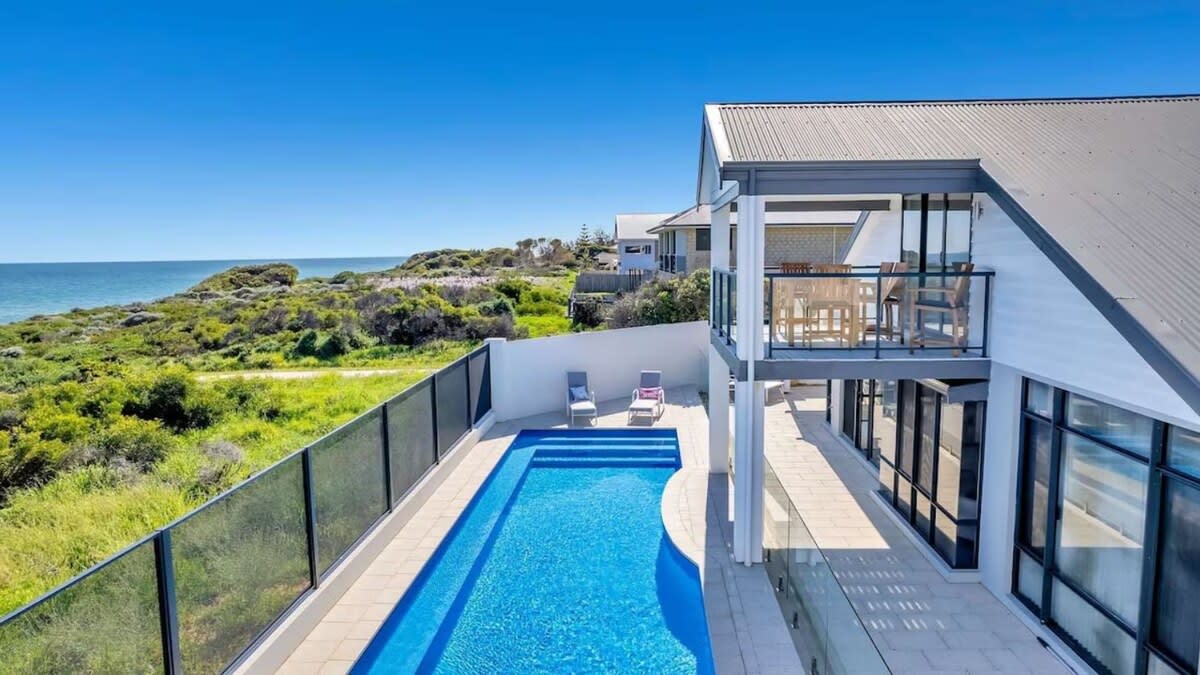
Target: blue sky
257,130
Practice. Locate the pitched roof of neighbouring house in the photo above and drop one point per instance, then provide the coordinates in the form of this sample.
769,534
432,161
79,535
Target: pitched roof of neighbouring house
635,225
1113,182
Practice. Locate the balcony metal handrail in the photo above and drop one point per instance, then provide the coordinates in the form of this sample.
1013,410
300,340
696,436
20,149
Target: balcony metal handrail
724,314
475,369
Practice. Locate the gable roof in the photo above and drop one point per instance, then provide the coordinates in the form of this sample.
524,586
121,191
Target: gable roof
1110,189
635,225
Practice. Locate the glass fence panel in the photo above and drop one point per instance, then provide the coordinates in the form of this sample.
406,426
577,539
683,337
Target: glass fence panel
410,437
479,370
106,622
453,415
348,484
239,564
825,629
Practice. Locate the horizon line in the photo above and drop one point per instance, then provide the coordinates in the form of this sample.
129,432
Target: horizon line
187,260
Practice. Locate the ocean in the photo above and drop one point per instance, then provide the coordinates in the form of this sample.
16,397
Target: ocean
27,289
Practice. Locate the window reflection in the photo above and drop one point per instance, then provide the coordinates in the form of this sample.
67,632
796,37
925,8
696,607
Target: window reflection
1183,450
1122,428
1176,610
1103,514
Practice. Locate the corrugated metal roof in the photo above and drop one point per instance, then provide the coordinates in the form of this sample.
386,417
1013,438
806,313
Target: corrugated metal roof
635,225
1116,182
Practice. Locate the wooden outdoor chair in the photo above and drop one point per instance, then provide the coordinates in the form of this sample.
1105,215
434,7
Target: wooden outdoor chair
788,310
951,300
834,300
891,289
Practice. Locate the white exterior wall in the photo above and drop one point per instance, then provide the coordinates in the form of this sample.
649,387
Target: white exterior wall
529,376
1044,328
637,261
879,239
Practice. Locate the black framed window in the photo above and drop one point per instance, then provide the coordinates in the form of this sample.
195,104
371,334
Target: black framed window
703,239
935,232
930,465
1107,549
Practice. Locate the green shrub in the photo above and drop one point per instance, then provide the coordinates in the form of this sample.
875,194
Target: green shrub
141,442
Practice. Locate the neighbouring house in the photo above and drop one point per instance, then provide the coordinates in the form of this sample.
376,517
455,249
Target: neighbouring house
815,231
607,261
636,247
1012,347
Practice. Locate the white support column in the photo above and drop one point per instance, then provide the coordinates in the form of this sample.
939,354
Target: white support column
718,412
750,395
718,370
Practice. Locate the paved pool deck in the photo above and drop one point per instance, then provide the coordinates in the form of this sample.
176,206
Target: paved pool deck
919,621
747,629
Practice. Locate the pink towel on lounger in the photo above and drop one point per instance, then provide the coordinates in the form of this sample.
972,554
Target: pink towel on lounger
649,392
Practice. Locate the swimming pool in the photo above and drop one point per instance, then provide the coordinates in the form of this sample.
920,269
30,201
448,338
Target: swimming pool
559,564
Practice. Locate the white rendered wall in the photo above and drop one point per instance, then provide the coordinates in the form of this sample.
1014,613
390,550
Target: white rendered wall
529,377
637,261
879,239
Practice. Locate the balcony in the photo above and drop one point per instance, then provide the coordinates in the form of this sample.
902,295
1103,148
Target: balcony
860,314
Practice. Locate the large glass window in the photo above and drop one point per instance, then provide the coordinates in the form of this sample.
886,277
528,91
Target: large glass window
1183,451
1128,430
935,461
925,449
935,231
910,232
1035,481
1123,491
1103,511
1176,620
883,430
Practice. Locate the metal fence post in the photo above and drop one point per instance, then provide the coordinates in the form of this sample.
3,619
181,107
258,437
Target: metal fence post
310,517
987,310
387,454
437,449
168,611
467,376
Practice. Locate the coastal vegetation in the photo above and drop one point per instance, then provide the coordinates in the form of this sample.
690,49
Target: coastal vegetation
116,420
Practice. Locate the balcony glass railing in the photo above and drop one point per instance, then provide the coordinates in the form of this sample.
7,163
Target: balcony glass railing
826,630
866,310
196,595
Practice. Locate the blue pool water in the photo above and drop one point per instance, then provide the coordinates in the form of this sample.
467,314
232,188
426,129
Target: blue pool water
559,564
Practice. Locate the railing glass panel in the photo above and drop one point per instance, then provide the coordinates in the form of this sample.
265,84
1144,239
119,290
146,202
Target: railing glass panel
349,488
105,622
255,532
827,632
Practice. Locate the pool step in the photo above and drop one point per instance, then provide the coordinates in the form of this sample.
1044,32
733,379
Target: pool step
605,451
582,460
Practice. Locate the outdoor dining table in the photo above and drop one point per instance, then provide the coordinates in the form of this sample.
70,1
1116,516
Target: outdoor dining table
855,304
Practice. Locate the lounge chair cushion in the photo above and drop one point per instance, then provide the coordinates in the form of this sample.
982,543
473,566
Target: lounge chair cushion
583,407
644,404
579,394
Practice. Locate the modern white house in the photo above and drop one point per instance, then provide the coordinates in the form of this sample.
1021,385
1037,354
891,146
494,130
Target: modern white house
1013,344
636,247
